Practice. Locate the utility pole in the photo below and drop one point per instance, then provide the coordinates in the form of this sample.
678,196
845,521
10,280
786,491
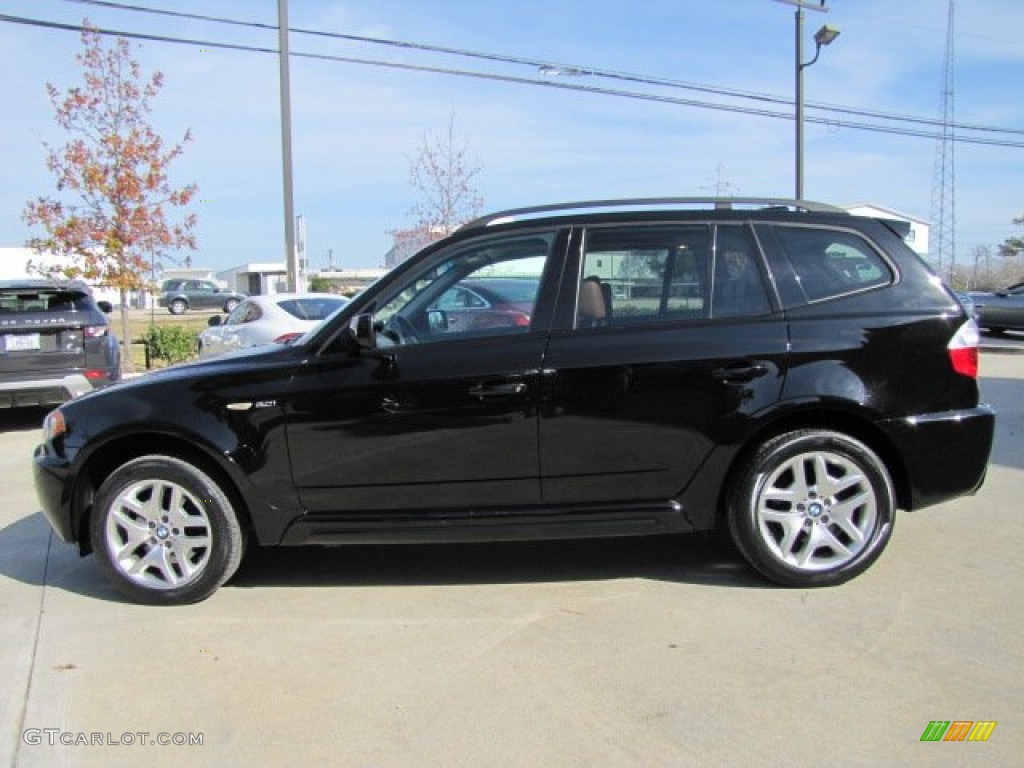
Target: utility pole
286,146
824,36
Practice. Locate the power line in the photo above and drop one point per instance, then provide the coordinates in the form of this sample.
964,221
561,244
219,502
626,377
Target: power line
494,77
578,70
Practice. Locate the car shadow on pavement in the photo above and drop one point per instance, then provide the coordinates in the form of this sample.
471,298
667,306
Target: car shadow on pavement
31,554
1005,394
22,419
697,559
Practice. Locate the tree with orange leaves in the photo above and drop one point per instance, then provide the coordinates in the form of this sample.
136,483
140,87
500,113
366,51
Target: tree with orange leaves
110,222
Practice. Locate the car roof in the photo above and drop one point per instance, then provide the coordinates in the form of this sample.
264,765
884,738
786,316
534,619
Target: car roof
764,205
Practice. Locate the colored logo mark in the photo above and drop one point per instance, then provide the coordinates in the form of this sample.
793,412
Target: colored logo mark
958,730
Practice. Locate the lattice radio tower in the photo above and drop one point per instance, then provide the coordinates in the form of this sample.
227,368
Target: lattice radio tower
943,210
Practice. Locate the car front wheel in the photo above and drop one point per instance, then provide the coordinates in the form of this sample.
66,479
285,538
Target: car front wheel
812,508
178,307
229,305
165,532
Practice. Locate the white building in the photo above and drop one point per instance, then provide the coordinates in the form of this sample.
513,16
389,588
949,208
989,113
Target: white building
14,265
256,279
919,228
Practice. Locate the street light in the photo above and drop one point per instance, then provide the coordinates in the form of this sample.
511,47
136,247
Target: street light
824,36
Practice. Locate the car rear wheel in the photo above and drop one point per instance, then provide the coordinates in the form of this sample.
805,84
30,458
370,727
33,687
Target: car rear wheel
178,306
812,508
230,305
165,532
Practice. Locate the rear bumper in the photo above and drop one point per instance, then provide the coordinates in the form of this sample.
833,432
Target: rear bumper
46,391
946,454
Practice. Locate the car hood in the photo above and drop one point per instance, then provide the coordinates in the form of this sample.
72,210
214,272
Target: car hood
227,365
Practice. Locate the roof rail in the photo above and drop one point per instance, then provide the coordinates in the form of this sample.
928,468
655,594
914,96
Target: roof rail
720,203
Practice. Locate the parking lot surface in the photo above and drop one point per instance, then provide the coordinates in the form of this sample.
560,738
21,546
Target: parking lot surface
660,652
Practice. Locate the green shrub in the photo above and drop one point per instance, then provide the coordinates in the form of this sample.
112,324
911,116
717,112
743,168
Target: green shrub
319,284
172,343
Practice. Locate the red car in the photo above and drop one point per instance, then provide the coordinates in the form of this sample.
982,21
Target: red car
496,302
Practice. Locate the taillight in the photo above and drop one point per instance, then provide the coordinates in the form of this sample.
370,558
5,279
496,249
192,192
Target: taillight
963,349
94,331
287,338
93,375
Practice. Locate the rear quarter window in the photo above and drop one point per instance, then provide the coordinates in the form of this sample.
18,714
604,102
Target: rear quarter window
831,263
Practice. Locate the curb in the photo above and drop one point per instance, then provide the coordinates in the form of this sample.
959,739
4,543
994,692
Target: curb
1001,349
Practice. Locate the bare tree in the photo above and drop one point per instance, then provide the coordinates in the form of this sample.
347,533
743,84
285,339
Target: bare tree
443,175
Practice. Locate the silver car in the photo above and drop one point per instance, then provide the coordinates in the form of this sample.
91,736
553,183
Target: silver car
260,320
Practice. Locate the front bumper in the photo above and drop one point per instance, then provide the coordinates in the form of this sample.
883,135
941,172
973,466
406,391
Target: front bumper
946,454
52,478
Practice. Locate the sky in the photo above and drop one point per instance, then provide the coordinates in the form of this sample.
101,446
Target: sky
356,127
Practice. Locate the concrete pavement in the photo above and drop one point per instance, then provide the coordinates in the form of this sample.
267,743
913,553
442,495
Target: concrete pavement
604,653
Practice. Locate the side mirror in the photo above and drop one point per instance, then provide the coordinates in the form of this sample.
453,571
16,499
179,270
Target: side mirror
214,321
437,320
363,331
105,307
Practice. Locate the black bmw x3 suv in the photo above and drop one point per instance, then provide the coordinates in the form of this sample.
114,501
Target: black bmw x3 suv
779,369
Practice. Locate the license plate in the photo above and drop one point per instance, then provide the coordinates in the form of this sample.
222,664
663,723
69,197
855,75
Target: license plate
21,342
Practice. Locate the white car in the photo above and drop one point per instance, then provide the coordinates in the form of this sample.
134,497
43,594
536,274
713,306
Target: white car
257,320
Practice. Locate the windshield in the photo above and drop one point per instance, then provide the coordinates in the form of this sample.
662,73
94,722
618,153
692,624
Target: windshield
42,300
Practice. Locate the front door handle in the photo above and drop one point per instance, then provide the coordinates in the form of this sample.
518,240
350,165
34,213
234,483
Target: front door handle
504,389
735,373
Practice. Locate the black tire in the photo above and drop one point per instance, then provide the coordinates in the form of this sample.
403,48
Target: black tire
164,532
812,508
230,305
177,306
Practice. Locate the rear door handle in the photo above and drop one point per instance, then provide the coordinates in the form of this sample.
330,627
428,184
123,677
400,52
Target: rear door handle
739,372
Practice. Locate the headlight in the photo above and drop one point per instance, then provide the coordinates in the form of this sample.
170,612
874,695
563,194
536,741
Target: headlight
54,425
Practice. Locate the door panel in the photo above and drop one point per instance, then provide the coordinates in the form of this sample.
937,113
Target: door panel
431,417
631,414
444,424
659,367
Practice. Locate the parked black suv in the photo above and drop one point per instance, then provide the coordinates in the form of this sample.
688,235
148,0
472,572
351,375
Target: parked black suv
785,370
180,295
55,342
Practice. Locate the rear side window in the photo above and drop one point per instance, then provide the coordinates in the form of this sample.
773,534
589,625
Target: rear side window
644,274
663,274
830,263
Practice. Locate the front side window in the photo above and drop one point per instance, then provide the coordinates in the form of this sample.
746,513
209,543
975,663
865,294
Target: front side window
483,289
830,263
